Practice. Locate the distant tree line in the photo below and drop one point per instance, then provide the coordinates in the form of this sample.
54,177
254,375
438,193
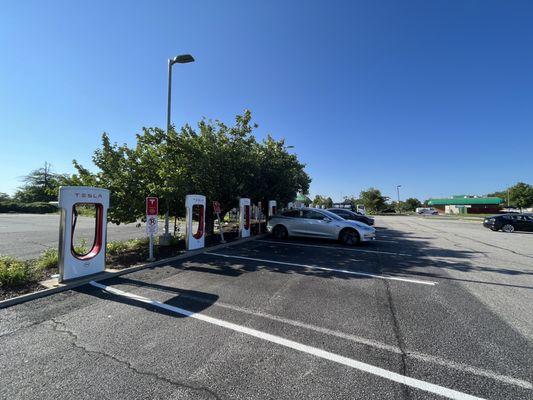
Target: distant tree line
519,195
322,201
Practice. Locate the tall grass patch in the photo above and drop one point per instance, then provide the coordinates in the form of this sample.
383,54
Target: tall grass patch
15,272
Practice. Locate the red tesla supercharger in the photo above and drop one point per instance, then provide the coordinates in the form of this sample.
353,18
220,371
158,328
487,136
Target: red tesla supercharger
272,205
245,216
71,263
195,208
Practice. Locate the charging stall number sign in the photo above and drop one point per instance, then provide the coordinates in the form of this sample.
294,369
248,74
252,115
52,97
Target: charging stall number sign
152,210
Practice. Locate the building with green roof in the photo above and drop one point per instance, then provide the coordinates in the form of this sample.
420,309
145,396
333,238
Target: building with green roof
458,204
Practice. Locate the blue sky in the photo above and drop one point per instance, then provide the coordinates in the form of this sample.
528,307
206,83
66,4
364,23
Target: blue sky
434,95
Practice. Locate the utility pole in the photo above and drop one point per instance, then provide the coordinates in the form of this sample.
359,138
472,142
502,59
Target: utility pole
508,202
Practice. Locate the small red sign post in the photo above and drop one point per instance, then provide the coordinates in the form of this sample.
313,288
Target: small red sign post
152,210
152,206
216,210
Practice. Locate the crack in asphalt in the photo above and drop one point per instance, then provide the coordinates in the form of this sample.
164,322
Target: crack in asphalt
397,333
9,333
59,326
399,339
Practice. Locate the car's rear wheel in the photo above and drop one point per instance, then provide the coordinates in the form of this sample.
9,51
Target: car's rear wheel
280,232
508,228
349,237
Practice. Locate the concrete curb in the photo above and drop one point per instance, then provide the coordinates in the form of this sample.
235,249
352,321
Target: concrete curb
114,273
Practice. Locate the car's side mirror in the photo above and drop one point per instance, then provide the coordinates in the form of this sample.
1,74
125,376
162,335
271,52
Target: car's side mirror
326,219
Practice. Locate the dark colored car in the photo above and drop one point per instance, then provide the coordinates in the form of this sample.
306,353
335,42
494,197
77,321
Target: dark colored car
509,222
351,215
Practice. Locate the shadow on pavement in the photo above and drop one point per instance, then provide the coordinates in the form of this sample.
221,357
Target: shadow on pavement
191,300
370,257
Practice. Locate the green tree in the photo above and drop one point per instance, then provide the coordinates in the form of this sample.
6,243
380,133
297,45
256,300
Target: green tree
4,197
411,204
319,201
279,174
373,200
501,194
39,185
521,195
322,201
216,160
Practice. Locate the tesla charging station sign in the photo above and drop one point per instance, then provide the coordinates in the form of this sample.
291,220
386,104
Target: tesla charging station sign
152,206
152,211
195,206
244,217
272,205
71,263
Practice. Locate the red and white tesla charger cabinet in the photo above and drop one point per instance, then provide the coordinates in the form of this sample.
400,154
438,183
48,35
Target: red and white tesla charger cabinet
195,236
272,206
245,215
72,264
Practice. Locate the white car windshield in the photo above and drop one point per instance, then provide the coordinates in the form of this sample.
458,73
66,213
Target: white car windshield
331,215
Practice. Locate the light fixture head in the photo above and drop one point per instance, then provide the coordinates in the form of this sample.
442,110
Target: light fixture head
182,59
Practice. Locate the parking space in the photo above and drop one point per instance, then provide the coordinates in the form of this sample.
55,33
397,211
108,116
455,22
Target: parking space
407,316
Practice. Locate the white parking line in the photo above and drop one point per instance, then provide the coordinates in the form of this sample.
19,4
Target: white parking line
342,271
334,247
450,364
349,362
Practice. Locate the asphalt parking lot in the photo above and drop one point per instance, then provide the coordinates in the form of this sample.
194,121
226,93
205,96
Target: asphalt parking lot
433,309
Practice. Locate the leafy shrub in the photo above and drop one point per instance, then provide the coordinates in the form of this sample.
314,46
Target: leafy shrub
48,259
81,247
115,248
15,272
27,208
121,247
174,240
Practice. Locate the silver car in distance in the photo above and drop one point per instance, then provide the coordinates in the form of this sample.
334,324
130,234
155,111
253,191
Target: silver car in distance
313,222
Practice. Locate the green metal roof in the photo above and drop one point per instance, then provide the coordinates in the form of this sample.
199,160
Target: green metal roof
465,201
300,197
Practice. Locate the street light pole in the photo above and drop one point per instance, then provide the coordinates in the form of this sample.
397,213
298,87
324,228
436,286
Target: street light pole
169,98
398,191
181,59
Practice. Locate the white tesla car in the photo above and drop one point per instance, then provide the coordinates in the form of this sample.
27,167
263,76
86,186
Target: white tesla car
312,222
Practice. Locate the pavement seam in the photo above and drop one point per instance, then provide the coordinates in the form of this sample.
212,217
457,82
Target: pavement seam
60,327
